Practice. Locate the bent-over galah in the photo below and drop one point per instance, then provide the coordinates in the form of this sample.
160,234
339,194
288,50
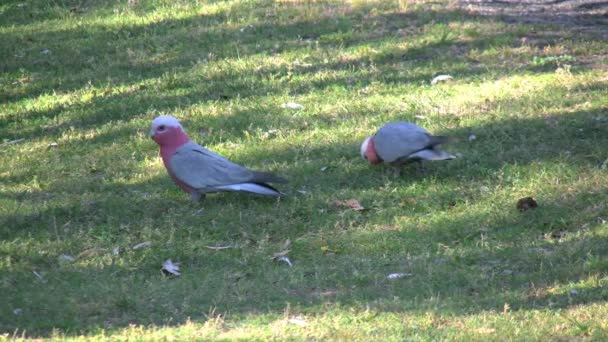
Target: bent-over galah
399,143
198,171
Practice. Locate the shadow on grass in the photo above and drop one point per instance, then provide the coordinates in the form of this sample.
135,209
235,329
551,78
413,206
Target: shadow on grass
137,56
447,257
471,269
450,255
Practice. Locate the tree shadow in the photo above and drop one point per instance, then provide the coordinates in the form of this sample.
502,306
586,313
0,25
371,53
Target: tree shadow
134,59
97,212
513,270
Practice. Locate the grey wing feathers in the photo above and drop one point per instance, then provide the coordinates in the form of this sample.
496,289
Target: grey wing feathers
400,141
203,169
265,177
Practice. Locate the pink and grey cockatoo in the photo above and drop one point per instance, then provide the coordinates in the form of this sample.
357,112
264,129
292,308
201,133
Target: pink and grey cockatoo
198,171
399,143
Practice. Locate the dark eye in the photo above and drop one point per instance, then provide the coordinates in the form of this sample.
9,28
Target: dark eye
161,127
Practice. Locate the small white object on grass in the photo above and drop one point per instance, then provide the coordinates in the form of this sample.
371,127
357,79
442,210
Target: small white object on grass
441,78
66,258
142,245
472,137
16,141
298,321
420,117
39,276
116,250
285,259
324,168
45,51
17,311
604,164
304,65
218,248
484,188
573,292
171,268
270,133
398,275
292,105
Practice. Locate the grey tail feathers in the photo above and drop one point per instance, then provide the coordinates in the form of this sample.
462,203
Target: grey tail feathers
266,177
438,140
278,193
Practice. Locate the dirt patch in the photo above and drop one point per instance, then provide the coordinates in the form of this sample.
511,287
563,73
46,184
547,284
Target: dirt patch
584,16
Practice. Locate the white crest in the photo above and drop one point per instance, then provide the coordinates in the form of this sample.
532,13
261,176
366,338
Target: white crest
166,120
364,147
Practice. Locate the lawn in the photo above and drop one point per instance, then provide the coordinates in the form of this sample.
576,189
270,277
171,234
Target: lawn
88,214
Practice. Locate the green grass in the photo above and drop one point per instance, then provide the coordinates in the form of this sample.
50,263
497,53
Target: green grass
91,75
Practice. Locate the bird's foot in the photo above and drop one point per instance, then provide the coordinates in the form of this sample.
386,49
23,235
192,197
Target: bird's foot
196,196
397,170
420,168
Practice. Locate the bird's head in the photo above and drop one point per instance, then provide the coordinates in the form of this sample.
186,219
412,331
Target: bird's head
166,130
368,151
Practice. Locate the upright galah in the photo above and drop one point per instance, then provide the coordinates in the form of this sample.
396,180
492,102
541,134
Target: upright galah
198,171
399,143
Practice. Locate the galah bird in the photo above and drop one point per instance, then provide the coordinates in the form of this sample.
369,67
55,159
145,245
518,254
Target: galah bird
399,143
198,171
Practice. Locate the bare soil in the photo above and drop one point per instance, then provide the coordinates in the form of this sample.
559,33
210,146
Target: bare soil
585,16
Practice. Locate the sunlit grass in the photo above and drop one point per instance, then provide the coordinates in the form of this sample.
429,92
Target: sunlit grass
526,110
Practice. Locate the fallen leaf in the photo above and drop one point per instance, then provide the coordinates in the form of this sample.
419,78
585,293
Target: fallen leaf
217,248
486,330
170,268
398,275
66,258
298,321
441,78
16,141
142,245
526,203
91,252
304,65
285,259
270,133
351,203
292,105
39,276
